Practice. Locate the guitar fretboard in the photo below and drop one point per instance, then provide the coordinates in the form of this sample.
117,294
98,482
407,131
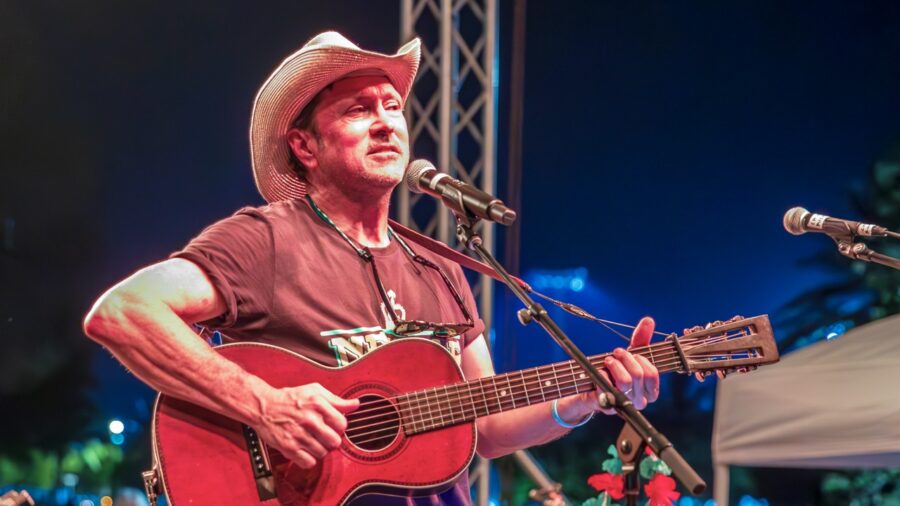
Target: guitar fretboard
443,406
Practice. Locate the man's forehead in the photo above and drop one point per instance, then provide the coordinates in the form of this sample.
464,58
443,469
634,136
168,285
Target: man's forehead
367,85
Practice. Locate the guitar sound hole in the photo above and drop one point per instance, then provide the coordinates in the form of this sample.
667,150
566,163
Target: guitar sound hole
375,425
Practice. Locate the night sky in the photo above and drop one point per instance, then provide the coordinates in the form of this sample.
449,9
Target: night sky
663,142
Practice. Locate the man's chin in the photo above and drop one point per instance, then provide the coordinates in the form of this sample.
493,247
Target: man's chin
392,172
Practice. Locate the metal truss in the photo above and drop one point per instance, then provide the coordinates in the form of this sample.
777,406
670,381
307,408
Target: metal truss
452,117
452,112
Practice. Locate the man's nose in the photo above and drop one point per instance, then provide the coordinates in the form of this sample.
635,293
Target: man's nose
384,123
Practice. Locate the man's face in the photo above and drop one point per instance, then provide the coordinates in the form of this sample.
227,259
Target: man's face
360,137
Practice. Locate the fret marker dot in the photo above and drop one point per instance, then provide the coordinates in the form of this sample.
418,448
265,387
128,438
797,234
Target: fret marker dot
502,393
581,376
547,383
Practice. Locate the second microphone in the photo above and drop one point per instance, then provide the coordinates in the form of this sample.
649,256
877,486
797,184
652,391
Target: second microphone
423,177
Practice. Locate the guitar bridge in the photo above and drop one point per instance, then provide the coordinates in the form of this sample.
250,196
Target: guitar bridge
259,462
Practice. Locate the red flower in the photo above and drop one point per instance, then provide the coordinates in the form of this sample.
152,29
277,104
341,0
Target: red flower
661,491
612,484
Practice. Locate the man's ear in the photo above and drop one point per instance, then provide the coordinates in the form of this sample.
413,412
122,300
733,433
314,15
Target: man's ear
304,146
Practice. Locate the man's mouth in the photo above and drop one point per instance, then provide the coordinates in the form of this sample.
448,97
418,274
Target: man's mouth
384,149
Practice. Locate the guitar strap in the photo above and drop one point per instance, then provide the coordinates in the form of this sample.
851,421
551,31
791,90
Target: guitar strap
451,254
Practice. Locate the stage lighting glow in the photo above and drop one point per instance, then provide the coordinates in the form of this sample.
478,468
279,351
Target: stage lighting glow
69,479
116,427
106,501
577,284
562,279
117,439
86,502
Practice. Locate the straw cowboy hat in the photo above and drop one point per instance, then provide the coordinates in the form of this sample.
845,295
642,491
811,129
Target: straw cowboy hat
323,60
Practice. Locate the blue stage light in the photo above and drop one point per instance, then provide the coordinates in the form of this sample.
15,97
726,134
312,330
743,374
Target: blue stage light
562,279
577,284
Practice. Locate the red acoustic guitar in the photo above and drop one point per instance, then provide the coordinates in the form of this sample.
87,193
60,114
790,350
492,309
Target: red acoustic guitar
414,428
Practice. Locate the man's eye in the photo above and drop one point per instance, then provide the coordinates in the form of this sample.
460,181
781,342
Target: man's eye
393,105
356,109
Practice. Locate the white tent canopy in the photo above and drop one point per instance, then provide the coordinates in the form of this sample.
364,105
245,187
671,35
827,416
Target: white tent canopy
834,404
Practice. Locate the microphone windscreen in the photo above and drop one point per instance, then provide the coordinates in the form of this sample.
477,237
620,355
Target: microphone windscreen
793,220
414,172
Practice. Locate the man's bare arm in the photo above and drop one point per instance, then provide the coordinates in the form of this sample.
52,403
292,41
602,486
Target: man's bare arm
145,322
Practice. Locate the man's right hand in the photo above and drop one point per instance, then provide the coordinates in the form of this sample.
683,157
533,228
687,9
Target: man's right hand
304,423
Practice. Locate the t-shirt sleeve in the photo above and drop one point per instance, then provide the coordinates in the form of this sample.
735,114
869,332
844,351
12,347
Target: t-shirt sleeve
238,256
459,280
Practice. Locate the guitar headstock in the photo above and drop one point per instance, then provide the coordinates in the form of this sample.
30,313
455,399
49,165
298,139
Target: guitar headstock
737,345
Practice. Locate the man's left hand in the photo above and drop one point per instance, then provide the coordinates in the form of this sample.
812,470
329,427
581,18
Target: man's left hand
633,374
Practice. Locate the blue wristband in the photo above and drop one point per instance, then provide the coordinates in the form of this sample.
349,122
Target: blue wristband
564,423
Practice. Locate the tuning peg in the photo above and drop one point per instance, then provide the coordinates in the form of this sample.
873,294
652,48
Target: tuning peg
702,375
717,323
721,373
695,328
735,318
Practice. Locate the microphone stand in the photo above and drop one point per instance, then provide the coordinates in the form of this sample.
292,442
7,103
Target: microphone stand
859,251
623,406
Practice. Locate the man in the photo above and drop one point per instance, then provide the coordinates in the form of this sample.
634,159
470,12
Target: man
319,271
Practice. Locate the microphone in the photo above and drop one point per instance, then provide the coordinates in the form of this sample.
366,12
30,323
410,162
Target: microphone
799,221
422,177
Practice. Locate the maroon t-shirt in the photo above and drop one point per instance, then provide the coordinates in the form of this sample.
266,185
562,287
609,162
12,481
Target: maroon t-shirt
290,280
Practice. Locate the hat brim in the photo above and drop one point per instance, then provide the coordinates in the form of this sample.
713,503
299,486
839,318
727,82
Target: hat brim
292,86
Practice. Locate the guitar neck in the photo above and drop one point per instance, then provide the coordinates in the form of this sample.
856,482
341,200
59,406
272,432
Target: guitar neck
443,406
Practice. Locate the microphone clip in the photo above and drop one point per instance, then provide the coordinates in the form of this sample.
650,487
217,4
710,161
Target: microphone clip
859,251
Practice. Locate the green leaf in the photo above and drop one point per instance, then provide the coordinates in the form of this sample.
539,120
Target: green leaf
613,465
611,450
647,468
663,468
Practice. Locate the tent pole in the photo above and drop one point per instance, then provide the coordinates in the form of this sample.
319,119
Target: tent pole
720,484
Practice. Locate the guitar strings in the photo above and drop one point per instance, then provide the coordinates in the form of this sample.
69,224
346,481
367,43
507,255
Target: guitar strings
468,396
687,342
438,417
572,388
377,408
534,377
575,387
658,358
664,365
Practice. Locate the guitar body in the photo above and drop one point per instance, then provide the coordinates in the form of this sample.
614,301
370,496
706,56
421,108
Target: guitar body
204,458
